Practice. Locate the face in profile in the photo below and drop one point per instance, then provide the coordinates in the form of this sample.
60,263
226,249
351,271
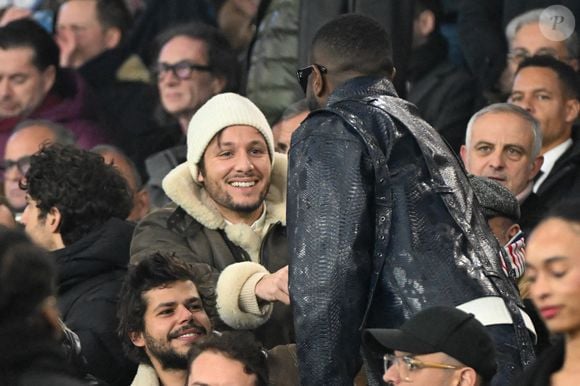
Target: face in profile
231,372
553,267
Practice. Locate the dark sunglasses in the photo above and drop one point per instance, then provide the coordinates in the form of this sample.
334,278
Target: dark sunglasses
303,74
182,70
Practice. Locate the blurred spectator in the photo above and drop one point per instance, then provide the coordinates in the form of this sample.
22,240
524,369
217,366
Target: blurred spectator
128,170
155,16
445,94
241,360
194,63
26,139
481,26
553,267
503,142
42,11
440,346
92,35
228,212
273,58
291,119
32,86
75,208
525,39
236,20
550,91
30,351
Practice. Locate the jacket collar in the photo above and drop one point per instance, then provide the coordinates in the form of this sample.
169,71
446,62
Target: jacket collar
362,86
192,197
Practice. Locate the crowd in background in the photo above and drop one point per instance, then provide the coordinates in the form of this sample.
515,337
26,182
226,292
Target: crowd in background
121,128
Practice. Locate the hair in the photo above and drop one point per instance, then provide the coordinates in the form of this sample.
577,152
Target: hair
531,17
294,109
510,109
155,271
567,210
567,75
61,134
221,58
355,43
114,14
26,33
27,277
86,191
104,149
240,346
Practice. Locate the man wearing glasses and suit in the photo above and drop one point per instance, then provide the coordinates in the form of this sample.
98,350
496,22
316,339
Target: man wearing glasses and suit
194,63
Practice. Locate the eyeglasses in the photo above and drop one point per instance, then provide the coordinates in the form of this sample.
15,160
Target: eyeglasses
519,55
181,70
406,365
22,164
303,74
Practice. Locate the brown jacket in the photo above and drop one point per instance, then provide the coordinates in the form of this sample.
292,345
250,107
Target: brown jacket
195,231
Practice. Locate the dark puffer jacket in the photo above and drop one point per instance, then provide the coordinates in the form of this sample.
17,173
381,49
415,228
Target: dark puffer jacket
380,226
196,232
90,273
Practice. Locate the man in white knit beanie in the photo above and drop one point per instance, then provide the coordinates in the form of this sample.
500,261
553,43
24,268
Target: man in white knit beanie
229,214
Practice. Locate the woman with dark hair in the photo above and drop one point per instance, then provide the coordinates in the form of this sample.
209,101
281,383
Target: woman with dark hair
553,267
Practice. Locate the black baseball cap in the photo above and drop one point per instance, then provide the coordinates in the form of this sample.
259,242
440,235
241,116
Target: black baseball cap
441,329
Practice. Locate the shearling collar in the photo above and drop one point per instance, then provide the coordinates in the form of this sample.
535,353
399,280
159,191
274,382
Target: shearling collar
181,189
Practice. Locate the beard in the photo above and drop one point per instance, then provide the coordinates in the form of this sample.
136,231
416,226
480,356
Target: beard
224,199
167,357
165,354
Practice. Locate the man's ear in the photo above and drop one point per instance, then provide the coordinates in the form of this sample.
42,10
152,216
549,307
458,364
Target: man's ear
318,85
467,377
463,154
536,166
137,338
48,78
218,84
572,109
53,219
513,230
112,37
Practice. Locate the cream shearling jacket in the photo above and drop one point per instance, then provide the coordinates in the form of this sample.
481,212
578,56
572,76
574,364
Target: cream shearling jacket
194,230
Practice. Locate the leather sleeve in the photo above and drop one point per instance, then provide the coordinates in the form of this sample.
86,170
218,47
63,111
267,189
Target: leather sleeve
330,237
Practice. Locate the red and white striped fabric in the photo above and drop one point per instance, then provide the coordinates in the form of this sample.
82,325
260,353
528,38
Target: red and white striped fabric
515,257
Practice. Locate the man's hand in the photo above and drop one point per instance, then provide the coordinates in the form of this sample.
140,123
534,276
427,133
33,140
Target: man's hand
14,13
274,286
67,43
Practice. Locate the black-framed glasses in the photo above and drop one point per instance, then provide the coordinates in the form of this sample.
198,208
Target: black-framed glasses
303,74
182,70
22,164
406,364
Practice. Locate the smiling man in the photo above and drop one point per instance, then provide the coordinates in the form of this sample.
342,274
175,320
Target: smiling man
161,315
230,215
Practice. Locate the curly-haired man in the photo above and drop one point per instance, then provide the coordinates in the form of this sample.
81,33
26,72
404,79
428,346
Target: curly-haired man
75,208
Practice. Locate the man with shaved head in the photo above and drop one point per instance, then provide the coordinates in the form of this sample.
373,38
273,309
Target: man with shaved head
382,220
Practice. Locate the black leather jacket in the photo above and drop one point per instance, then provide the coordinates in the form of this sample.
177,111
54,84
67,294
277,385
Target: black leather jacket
380,226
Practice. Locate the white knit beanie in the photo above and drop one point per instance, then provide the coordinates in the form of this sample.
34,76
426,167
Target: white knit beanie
216,114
